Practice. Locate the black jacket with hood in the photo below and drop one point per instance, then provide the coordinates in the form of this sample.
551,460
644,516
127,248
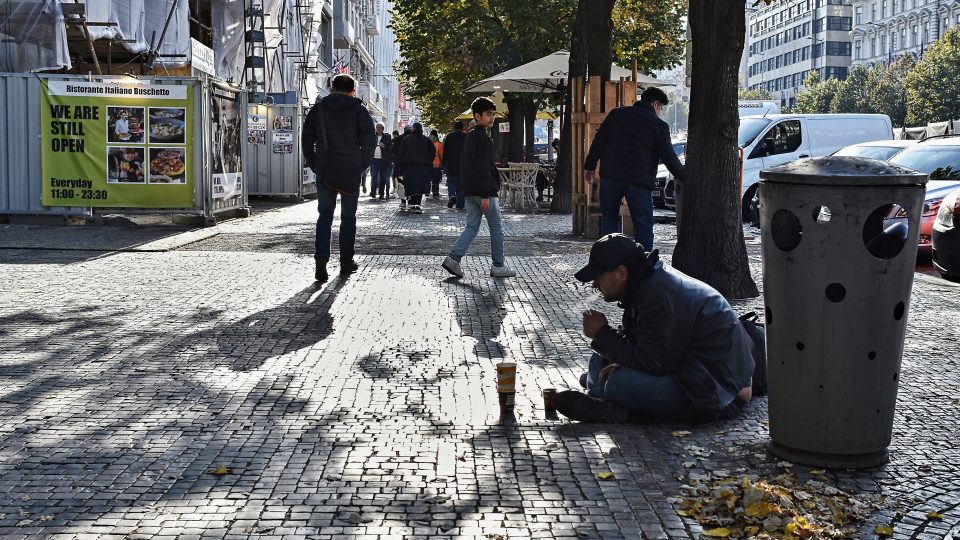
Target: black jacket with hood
676,325
478,170
339,154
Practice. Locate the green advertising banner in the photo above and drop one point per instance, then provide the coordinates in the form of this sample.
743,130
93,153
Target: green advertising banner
123,143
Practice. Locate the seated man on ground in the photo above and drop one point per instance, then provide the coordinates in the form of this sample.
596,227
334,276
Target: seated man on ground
681,353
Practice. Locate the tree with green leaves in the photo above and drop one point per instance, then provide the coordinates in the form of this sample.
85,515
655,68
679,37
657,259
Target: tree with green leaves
753,93
852,93
887,89
933,85
817,96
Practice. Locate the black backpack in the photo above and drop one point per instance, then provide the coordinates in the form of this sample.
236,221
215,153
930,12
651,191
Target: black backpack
758,338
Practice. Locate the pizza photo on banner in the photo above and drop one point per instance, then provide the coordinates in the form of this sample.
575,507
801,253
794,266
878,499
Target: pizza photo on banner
117,143
227,160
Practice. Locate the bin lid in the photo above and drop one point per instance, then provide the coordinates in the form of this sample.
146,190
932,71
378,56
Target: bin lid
843,171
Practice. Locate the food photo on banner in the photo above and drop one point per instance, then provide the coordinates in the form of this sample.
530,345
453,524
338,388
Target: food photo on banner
227,161
118,143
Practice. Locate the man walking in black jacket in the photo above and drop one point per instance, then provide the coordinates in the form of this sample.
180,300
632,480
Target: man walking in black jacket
381,167
631,142
480,187
338,141
452,150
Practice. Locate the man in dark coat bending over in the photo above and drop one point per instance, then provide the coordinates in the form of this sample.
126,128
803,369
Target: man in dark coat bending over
681,353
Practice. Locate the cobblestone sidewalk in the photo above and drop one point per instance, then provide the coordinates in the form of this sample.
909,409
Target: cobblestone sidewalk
215,391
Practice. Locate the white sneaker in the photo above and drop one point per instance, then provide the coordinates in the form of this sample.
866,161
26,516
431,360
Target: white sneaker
451,265
502,271
417,209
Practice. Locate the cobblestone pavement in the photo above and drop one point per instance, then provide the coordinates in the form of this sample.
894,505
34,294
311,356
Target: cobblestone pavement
366,407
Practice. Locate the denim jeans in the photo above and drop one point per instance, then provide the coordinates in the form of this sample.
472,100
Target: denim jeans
436,175
380,171
326,204
640,203
641,393
453,189
473,226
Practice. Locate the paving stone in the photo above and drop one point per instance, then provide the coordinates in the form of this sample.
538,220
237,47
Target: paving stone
367,406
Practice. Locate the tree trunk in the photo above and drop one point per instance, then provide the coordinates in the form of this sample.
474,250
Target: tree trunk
591,46
710,244
515,118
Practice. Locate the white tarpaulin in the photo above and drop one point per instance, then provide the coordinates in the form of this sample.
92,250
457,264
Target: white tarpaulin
545,74
140,23
283,44
228,42
32,36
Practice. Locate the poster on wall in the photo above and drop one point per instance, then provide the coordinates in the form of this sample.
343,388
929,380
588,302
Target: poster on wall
282,143
256,129
117,143
227,164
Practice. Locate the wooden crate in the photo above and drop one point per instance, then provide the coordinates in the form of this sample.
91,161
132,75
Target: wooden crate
589,111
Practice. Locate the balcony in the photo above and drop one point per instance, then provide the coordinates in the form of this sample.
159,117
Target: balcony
372,25
344,34
371,98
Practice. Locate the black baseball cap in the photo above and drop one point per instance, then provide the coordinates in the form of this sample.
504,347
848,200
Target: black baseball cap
606,254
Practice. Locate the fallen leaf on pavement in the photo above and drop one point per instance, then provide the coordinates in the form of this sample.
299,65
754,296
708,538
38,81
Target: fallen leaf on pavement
605,476
935,515
884,530
221,470
681,433
719,532
357,519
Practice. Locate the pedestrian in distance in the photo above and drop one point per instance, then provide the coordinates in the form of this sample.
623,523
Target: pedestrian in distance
398,187
437,173
480,186
415,158
338,140
631,142
452,150
381,168
680,354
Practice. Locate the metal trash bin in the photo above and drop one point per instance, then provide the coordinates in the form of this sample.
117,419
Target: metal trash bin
839,249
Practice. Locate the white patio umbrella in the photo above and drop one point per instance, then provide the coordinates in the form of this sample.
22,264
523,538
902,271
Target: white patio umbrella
544,76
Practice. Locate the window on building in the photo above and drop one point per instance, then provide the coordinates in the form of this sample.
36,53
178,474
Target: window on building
903,38
873,11
914,40
873,46
818,26
838,48
858,50
926,32
858,14
883,44
893,42
883,9
838,23
834,72
903,5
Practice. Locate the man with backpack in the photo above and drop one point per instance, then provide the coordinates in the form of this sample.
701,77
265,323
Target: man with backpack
338,140
680,354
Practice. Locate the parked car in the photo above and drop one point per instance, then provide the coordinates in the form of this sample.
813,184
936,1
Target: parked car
771,140
940,158
660,183
882,150
945,240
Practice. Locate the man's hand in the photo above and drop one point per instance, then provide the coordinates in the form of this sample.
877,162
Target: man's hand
590,176
593,321
484,205
606,372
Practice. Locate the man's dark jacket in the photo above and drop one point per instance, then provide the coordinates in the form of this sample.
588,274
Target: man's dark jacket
452,150
676,325
478,170
386,153
339,155
630,144
416,149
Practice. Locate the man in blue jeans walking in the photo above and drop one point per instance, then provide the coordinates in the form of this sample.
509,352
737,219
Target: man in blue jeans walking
479,186
338,141
630,144
681,353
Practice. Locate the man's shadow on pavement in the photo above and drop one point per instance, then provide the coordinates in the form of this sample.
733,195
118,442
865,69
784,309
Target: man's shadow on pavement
480,315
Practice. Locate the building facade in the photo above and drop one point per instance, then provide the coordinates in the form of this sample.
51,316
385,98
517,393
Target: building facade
787,40
886,29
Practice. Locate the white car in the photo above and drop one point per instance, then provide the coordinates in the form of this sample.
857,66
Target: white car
882,150
662,192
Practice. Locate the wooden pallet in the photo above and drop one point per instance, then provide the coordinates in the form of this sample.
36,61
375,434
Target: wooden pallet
589,111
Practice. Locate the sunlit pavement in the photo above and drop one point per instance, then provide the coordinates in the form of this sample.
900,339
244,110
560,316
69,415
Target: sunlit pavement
366,406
